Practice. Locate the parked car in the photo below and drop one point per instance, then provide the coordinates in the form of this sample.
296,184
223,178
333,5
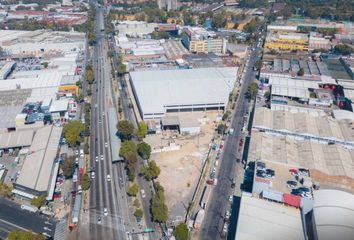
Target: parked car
294,171
260,166
142,191
270,173
261,173
303,171
231,198
291,184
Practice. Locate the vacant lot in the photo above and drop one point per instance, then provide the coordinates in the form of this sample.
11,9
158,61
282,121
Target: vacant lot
180,169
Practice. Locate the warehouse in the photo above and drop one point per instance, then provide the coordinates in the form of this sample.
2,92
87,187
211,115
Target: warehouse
180,90
40,167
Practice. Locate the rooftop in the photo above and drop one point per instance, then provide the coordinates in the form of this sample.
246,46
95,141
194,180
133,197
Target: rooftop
16,139
333,213
301,140
37,168
59,105
158,89
262,219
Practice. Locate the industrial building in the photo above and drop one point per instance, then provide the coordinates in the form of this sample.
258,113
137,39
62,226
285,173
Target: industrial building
267,220
135,28
40,168
287,41
323,145
197,39
160,91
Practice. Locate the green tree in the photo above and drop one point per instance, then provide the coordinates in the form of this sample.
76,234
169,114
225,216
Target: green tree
343,49
133,190
24,235
125,129
45,64
142,130
86,148
221,128
301,72
136,203
138,213
254,89
85,182
5,190
159,209
144,150
128,150
122,69
72,132
38,202
258,64
68,167
152,171
90,76
181,232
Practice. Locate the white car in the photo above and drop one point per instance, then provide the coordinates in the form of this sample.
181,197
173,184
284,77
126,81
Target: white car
105,212
106,144
93,175
225,228
96,159
231,198
142,191
101,157
108,178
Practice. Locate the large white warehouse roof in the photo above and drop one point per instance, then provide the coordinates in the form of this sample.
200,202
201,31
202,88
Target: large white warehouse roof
160,90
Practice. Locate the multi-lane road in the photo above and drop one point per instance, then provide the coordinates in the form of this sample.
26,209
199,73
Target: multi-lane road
212,228
104,194
13,217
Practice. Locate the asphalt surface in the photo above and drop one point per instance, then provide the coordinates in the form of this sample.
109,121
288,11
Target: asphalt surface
103,193
212,227
146,185
13,217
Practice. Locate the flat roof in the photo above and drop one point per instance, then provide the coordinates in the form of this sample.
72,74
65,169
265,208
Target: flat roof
158,89
38,165
59,105
330,165
262,219
16,139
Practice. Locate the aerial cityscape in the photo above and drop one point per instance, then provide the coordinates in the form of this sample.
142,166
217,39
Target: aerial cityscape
177,119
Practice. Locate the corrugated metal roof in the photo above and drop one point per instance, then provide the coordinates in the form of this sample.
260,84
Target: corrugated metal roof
159,88
38,165
273,195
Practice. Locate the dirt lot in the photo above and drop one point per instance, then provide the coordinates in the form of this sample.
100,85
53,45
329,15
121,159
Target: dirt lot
180,169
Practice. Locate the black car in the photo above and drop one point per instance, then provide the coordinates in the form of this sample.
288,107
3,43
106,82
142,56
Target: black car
291,184
270,173
261,173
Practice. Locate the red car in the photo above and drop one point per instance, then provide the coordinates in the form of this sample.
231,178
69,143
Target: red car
56,195
294,171
210,181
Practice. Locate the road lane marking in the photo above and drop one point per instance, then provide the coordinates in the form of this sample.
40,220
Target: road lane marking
14,225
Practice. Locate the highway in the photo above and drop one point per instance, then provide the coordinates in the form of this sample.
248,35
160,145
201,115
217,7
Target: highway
13,217
212,227
104,194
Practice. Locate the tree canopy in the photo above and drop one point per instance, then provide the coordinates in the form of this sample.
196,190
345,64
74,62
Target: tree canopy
128,151
254,89
301,72
133,190
68,166
5,190
181,232
142,130
159,210
38,202
125,129
138,213
72,132
85,182
343,49
144,150
24,235
152,171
